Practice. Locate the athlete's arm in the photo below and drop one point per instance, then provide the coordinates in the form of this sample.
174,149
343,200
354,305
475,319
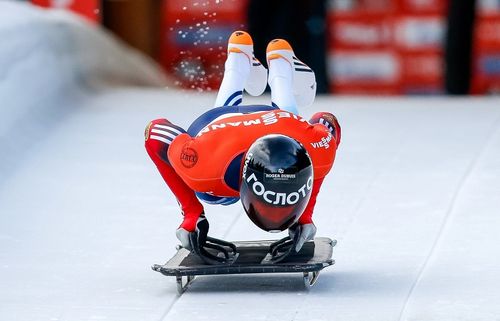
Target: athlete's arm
306,217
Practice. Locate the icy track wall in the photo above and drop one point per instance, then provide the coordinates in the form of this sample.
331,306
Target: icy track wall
49,62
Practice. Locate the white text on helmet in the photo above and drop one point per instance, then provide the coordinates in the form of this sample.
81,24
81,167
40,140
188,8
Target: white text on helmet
276,198
245,166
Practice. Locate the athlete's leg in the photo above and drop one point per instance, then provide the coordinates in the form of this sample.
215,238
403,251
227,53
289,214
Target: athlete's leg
236,72
159,135
242,71
292,82
280,81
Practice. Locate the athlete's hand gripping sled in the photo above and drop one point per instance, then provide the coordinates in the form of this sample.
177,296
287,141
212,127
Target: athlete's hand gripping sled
223,252
209,249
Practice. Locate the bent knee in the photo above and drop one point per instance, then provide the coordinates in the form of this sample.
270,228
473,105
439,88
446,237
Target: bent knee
158,135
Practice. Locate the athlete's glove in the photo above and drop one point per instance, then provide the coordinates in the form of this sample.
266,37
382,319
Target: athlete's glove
306,232
198,242
198,236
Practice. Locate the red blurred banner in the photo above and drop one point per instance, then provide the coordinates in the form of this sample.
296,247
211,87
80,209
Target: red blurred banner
89,9
386,47
194,39
486,71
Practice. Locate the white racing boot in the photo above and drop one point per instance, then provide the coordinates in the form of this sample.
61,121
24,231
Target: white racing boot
303,78
241,42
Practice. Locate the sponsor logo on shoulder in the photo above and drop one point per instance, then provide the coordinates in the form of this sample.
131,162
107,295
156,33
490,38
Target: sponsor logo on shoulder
324,142
189,157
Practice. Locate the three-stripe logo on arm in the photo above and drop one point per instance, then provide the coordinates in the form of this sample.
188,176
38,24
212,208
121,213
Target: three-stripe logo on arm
164,133
327,124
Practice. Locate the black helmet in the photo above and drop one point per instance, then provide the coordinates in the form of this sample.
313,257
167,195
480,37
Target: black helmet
277,182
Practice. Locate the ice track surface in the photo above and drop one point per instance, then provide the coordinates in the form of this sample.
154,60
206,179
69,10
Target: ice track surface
413,199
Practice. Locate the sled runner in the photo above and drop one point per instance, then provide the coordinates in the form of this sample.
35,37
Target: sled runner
253,257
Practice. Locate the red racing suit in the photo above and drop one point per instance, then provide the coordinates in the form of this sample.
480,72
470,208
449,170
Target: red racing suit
202,161
211,160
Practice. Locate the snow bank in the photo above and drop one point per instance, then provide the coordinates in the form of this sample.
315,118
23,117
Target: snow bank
48,61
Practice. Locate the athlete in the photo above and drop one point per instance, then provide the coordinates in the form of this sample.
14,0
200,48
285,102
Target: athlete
267,156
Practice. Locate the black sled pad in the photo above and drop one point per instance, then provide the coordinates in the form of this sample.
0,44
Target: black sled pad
253,257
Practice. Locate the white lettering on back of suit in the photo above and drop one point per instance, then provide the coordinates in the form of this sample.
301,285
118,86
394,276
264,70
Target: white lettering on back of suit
270,118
